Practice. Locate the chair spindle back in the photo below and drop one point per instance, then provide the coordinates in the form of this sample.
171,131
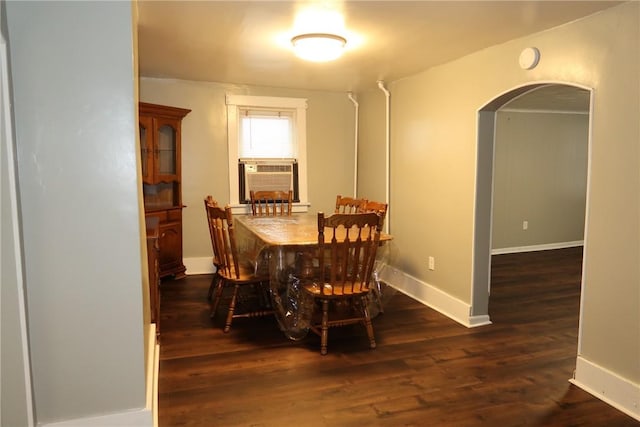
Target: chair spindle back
349,204
351,249
376,207
271,203
223,240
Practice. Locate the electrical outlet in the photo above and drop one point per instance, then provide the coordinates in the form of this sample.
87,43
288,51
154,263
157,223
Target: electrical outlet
432,263
525,225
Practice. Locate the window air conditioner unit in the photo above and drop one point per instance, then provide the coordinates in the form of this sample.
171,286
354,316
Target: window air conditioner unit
267,175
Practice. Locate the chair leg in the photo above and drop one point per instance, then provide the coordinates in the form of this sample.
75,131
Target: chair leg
262,292
217,297
212,286
324,337
377,295
367,323
232,307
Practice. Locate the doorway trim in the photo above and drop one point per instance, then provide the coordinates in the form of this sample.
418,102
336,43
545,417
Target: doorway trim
483,195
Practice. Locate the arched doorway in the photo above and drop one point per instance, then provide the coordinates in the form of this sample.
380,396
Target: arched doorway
484,191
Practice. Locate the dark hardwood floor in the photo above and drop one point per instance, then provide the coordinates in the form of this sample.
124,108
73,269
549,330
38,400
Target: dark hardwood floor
427,369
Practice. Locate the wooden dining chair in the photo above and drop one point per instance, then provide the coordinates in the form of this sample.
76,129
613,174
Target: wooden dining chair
375,207
271,203
231,271
348,204
381,209
210,201
348,257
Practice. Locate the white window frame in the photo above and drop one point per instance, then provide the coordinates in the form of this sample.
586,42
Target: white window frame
237,102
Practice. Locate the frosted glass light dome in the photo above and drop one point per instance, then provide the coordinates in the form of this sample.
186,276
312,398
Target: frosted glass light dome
318,47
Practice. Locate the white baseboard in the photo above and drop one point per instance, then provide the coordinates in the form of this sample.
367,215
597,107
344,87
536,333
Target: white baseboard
533,248
479,321
200,265
433,297
618,392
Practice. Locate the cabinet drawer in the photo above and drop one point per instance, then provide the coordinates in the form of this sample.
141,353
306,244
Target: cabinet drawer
174,215
161,215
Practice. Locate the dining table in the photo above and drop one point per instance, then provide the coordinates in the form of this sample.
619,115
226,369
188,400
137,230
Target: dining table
285,248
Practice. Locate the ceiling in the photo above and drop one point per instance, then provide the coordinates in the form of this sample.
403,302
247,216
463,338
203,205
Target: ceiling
248,42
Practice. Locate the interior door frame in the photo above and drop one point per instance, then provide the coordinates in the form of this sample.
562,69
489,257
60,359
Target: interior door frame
15,386
483,206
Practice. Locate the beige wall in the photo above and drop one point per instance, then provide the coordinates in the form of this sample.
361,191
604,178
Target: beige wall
540,176
330,146
434,127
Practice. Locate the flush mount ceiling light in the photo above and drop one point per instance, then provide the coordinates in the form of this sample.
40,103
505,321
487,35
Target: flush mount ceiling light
318,47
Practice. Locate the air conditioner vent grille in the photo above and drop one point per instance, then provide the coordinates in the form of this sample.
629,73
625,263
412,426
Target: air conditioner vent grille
274,168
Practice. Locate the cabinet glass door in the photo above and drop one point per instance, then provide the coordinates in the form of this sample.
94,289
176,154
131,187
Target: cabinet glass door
167,150
146,148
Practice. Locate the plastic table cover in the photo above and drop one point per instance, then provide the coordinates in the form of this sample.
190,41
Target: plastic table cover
284,247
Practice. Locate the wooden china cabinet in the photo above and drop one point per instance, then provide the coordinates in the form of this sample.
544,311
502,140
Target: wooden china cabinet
161,180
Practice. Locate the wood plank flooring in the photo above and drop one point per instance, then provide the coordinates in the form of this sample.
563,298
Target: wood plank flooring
427,369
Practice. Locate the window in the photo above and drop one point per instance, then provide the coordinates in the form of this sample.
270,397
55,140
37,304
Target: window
267,146
266,134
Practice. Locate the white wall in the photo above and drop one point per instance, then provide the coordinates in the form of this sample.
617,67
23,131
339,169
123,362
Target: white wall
75,125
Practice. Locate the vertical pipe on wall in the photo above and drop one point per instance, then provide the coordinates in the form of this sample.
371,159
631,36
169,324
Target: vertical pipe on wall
355,145
387,150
